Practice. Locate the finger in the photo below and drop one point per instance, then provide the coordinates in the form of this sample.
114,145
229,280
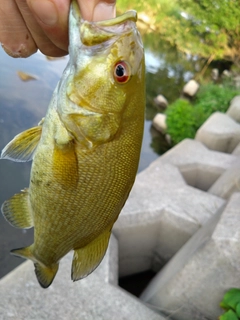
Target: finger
52,19
96,10
104,10
15,37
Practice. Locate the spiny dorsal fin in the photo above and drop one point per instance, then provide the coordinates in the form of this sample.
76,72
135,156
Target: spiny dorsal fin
86,259
17,211
22,147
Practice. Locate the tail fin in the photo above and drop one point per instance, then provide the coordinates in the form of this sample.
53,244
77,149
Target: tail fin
45,274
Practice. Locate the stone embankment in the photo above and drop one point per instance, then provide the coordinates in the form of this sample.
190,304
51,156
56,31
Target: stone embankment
181,220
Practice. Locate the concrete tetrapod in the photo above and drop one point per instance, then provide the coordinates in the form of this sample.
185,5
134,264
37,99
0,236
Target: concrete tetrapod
219,132
161,214
93,298
193,283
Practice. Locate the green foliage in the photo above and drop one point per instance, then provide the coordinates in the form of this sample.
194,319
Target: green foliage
231,303
184,119
205,28
229,315
180,120
212,98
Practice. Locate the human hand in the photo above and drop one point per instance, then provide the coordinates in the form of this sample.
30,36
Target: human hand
29,25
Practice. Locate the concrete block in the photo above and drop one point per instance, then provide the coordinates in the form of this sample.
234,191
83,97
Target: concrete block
160,215
234,109
159,122
193,283
92,298
191,88
236,151
199,166
228,182
219,132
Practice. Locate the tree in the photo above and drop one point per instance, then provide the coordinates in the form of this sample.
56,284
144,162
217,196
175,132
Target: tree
210,29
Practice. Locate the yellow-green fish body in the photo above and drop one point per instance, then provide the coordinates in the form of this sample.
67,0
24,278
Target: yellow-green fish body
86,150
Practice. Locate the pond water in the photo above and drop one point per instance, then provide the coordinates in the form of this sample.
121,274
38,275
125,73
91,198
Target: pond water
23,104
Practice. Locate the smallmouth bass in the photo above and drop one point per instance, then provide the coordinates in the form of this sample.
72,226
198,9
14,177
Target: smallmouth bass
85,151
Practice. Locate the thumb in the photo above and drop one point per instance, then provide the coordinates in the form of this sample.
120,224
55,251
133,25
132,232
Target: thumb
96,10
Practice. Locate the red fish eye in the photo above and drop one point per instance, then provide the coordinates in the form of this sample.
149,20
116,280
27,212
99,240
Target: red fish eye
121,72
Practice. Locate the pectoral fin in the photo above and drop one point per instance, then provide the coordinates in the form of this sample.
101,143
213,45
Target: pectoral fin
86,259
17,212
22,147
45,274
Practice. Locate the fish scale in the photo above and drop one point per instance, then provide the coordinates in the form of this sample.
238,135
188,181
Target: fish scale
85,151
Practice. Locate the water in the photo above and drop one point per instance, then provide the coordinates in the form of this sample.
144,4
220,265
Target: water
23,104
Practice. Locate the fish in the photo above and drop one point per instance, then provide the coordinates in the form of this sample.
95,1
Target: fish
85,152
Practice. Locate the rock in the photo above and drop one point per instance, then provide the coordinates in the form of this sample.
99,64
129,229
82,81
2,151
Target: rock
193,283
159,122
168,139
191,88
234,109
226,73
163,212
215,74
161,101
219,132
93,298
228,182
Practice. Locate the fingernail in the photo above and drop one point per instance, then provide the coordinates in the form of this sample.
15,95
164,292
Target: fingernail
20,53
45,11
104,11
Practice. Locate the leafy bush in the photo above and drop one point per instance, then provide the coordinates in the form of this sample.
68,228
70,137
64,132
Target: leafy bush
212,98
231,303
184,119
180,120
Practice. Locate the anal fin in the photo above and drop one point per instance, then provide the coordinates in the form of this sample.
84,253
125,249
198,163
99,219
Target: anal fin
21,148
86,259
17,212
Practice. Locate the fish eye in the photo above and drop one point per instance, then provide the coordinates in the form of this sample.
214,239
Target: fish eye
121,72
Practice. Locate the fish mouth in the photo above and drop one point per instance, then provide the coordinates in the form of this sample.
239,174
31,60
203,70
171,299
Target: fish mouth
95,33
